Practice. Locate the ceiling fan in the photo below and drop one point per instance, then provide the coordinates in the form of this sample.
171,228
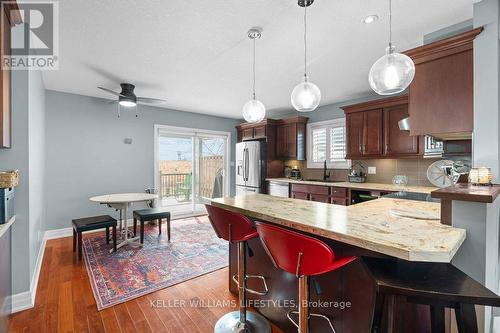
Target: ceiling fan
127,97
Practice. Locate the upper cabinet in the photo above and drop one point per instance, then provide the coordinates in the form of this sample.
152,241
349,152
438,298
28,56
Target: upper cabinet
291,138
372,130
372,136
441,94
286,138
355,123
397,142
363,131
265,130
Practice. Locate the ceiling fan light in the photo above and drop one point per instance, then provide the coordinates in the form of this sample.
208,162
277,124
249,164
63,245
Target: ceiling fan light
127,103
254,111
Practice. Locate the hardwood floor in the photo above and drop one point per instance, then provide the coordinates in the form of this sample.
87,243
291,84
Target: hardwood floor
65,303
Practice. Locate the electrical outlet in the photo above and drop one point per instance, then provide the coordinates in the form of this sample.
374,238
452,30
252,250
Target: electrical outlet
372,170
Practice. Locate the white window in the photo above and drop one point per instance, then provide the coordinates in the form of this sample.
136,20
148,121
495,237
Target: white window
326,142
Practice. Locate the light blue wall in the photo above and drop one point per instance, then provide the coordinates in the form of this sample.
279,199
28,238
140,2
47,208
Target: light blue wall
17,158
86,155
36,165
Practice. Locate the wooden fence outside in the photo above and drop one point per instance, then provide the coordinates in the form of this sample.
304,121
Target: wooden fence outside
209,166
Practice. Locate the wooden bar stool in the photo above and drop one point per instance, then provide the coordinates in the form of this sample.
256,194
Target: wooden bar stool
439,285
92,223
238,229
303,256
151,214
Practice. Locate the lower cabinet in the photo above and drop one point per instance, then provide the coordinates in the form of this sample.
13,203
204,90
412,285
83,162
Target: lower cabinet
300,195
319,193
319,198
340,201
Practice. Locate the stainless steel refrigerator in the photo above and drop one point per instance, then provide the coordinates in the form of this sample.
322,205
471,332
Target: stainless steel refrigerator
250,167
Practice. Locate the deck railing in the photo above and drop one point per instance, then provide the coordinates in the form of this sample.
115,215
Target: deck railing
169,183
209,166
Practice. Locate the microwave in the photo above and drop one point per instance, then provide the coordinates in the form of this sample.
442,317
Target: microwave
433,147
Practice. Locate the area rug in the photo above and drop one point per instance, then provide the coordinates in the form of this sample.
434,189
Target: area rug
133,271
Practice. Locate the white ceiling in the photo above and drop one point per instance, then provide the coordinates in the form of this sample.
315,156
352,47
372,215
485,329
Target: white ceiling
195,53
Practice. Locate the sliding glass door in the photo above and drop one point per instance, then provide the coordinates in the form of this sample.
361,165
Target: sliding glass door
190,168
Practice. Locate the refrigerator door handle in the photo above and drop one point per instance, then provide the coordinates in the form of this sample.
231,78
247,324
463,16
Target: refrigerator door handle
247,164
244,166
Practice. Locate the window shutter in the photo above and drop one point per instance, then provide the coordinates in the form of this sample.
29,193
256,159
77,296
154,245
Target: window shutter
337,144
319,144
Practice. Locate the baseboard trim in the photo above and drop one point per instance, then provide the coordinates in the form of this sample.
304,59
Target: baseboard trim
26,300
21,301
58,233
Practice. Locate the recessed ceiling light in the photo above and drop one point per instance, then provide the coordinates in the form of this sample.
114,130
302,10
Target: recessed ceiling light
370,19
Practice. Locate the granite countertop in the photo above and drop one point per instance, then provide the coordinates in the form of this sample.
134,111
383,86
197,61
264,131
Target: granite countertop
5,227
469,192
363,186
368,225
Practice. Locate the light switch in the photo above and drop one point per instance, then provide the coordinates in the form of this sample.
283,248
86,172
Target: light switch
372,170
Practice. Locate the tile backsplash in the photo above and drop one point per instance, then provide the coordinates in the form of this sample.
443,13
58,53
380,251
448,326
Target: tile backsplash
414,169
386,169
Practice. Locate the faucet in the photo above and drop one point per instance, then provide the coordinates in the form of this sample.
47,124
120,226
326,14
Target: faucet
326,176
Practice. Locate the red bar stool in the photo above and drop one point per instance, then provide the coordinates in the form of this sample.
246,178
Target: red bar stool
303,256
238,229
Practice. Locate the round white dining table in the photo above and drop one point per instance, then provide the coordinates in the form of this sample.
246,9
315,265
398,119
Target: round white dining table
122,201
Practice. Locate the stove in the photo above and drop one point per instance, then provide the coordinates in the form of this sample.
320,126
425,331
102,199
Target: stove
412,196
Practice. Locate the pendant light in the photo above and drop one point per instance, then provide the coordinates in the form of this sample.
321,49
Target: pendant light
306,96
392,73
254,110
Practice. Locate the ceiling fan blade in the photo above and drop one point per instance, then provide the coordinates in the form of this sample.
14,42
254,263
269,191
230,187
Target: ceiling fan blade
148,100
110,91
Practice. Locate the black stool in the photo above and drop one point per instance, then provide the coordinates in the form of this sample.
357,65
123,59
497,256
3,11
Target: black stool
439,285
92,223
151,214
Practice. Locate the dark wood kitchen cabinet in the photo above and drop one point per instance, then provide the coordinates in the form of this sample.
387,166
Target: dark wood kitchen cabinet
247,131
372,130
354,133
320,193
364,134
299,195
372,136
264,131
441,94
291,138
396,142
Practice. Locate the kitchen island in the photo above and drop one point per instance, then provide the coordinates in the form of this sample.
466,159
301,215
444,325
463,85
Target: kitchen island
367,229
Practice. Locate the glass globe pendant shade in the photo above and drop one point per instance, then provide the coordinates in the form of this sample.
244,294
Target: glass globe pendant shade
254,111
306,96
392,73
